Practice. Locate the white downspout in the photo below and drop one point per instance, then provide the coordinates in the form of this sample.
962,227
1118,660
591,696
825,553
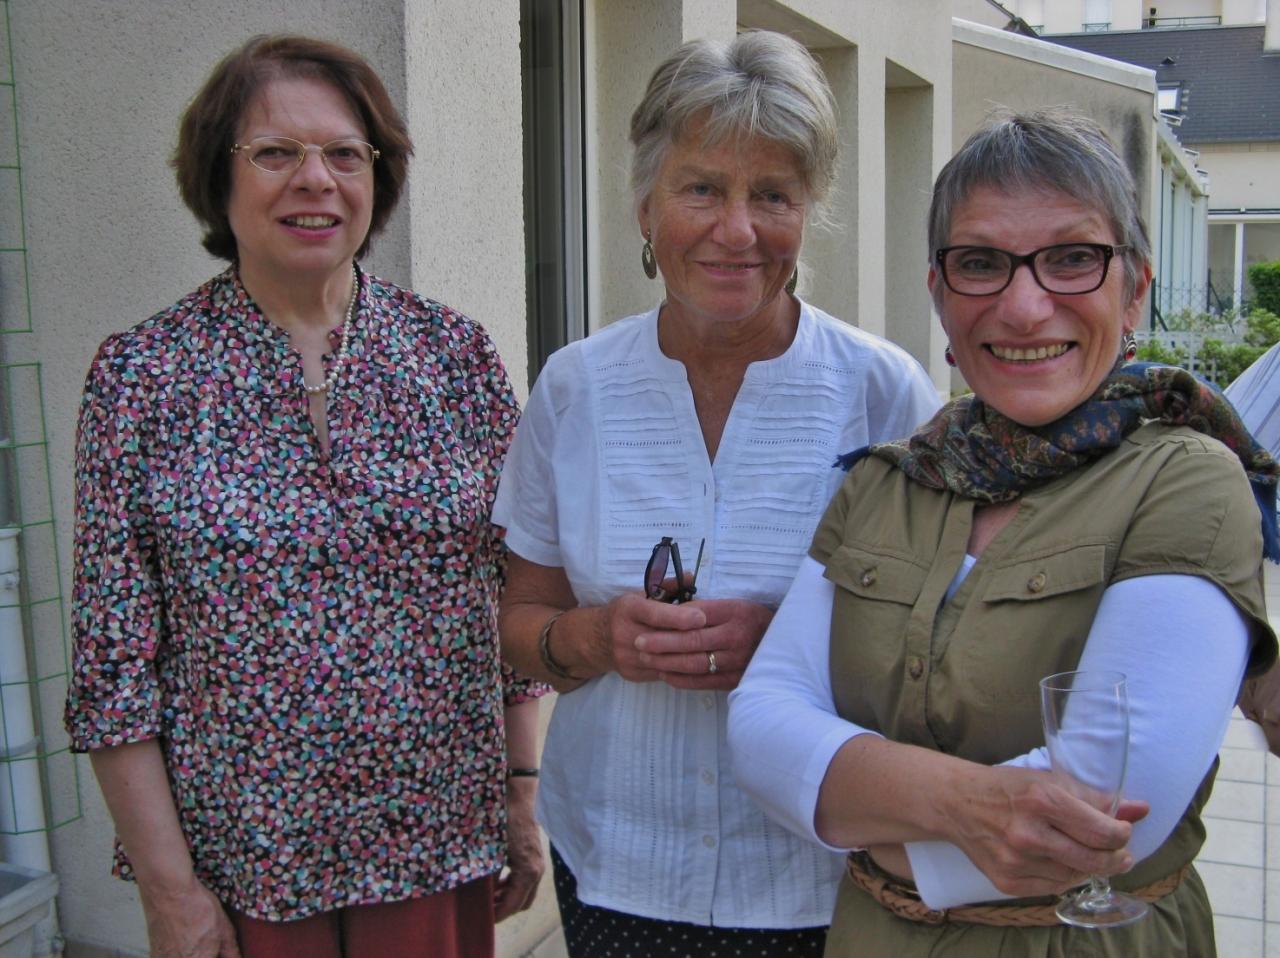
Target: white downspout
21,793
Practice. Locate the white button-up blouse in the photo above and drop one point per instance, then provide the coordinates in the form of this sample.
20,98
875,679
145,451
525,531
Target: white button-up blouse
637,792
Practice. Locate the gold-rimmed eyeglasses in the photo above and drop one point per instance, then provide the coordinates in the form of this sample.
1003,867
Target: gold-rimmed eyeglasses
282,154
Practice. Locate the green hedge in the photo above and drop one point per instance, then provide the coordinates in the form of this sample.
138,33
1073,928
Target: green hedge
1265,278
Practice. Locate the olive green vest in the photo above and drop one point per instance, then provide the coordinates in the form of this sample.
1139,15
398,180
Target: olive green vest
961,676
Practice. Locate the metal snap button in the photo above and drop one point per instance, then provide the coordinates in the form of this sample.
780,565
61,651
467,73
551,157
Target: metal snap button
868,578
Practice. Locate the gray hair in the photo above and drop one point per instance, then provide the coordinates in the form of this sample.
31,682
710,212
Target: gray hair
1055,150
758,84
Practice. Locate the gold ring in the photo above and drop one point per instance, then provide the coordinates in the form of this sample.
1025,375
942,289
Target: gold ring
711,663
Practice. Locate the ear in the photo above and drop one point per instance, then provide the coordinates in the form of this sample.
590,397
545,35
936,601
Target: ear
934,282
642,217
1133,311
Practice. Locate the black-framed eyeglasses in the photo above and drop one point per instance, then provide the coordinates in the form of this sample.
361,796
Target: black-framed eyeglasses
1064,268
282,154
666,555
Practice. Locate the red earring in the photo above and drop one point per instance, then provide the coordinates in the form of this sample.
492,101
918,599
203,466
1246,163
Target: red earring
949,356
1129,347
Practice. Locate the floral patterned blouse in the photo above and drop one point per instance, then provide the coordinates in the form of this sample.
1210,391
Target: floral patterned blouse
312,638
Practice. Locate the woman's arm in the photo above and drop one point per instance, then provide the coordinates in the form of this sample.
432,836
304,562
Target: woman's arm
1028,834
1183,646
517,887
590,641
183,917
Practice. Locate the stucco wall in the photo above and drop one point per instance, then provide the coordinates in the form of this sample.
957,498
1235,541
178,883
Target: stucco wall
994,69
1244,175
100,87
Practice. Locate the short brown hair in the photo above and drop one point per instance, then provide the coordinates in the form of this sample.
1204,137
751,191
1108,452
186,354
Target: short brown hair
202,159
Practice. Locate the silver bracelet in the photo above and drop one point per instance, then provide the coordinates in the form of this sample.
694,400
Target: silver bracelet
544,650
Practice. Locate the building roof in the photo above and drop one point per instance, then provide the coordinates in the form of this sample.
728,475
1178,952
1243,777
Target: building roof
1229,90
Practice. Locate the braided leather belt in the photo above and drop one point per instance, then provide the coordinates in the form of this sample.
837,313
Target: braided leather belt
905,902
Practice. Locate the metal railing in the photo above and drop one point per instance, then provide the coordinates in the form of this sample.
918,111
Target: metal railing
1163,23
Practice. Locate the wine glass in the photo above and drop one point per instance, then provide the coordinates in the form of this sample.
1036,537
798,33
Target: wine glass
1086,727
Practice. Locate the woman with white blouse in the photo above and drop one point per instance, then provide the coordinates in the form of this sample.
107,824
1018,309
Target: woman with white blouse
713,421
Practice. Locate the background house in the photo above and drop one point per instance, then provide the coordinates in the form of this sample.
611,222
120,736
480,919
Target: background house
1217,65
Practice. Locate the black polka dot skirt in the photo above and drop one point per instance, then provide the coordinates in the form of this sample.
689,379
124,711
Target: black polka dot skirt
591,932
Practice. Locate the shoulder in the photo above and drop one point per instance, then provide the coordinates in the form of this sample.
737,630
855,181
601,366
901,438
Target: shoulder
572,371
154,352
838,348
848,341
416,315
623,341
1187,504
876,502
1167,453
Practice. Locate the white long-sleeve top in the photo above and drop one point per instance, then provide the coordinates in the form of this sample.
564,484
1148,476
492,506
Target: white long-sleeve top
784,731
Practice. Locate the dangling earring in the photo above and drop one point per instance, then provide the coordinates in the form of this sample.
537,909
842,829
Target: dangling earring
949,356
791,284
647,262
1129,347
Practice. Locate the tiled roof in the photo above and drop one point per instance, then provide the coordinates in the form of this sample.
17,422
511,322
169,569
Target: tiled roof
1230,90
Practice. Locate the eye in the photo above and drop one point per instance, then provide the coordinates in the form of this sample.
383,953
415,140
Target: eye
976,259
700,189
774,197
1073,257
268,153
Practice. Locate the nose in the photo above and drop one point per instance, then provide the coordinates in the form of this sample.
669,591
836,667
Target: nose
1024,302
312,173
735,228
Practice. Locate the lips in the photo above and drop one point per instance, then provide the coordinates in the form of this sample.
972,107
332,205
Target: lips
311,221
1030,355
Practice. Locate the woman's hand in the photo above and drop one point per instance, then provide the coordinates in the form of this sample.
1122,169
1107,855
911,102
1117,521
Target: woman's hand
629,621
731,629
517,886
184,919
1031,836
641,639
187,923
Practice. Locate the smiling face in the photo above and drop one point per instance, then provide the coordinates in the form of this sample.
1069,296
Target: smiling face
1028,353
308,223
726,223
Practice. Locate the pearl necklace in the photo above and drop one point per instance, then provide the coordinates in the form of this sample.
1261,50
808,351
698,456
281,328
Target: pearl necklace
340,360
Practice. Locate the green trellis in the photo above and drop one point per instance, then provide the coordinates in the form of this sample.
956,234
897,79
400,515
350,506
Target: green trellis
26,508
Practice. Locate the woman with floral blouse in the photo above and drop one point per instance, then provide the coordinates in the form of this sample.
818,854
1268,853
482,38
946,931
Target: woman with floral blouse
286,667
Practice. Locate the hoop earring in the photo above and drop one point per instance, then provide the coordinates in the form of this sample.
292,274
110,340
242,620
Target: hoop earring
794,281
647,262
949,356
1129,347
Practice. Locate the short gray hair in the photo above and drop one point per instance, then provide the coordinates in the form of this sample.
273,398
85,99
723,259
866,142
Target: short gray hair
758,84
1055,150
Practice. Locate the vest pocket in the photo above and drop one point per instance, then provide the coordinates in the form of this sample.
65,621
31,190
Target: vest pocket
1027,578
878,576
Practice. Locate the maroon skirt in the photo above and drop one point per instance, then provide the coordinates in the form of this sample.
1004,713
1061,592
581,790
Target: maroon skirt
451,924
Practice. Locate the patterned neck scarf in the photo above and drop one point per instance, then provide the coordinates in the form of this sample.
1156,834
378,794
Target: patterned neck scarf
975,452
